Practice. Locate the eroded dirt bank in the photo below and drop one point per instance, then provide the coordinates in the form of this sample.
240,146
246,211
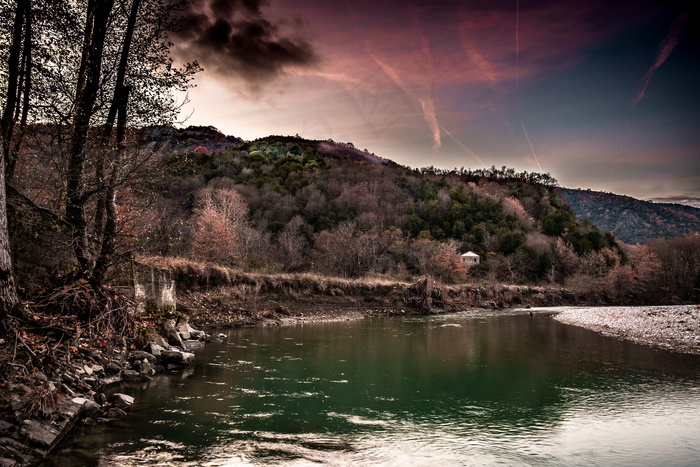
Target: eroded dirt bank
279,300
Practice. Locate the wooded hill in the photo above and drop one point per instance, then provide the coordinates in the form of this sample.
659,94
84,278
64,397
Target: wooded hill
287,204
328,194
632,220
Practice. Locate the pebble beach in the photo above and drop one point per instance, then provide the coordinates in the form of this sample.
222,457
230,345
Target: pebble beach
675,328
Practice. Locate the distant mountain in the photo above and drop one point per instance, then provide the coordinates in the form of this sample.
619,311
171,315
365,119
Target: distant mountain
632,220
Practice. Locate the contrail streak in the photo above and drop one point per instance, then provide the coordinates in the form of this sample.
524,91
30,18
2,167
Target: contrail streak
517,43
665,48
427,105
461,145
531,148
430,116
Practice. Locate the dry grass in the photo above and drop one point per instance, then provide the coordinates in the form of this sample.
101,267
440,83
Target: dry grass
201,274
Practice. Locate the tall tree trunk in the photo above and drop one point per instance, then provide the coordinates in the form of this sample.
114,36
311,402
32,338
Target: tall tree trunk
26,76
119,101
112,215
13,79
88,85
8,294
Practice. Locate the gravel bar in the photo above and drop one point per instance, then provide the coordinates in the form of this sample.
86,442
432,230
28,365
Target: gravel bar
675,328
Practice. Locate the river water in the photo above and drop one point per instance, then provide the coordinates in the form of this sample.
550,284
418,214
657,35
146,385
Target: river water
463,389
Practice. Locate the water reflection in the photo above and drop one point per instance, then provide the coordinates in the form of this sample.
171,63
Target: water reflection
463,389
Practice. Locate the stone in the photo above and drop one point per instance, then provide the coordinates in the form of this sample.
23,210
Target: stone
39,433
183,327
68,379
68,391
115,412
141,355
16,403
109,380
100,398
122,401
113,367
156,349
146,367
92,381
88,408
171,333
5,427
193,344
174,357
159,341
135,376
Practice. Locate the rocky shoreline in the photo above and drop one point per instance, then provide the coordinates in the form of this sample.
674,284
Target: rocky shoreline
77,385
73,386
675,328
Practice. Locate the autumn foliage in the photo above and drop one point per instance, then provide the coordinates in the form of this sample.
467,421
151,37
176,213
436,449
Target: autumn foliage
218,217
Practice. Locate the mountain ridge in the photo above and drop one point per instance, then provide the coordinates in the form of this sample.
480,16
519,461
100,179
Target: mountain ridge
630,219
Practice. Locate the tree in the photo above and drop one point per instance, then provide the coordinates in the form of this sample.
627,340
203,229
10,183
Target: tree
18,83
122,52
291,242
220,214
98,13
8,293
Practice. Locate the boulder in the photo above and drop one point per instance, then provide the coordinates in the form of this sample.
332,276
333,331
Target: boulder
173,359
122,401
135,376
113,367
115,412
187,332
39,433
171,333
193,344
184,328
158,340
156,349
140,355
88,408
146,367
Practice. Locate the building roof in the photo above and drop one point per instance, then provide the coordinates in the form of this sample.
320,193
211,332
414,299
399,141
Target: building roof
470,253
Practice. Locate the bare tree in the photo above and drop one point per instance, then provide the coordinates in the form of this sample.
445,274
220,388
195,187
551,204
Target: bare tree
8,293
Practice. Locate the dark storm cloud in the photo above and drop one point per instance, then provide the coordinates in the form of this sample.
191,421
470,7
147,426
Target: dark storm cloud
233,38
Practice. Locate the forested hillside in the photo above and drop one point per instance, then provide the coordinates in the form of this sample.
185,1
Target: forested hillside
326,206
632,220
286,204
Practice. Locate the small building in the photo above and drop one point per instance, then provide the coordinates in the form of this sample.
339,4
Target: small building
470,259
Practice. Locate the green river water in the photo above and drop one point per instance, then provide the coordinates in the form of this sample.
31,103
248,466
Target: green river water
471,388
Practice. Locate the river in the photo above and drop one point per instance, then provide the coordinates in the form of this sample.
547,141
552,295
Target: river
470,388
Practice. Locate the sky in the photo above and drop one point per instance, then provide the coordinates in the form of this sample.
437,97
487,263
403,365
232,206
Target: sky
601,94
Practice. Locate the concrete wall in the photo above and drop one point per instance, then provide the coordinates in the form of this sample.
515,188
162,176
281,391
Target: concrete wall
153,288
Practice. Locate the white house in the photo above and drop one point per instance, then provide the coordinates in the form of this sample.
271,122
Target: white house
470,259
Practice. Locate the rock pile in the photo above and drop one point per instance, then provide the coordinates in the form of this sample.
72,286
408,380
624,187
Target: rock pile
35,415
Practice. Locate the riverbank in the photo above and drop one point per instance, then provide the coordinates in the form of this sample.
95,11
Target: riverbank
51,358
675,328
247,299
